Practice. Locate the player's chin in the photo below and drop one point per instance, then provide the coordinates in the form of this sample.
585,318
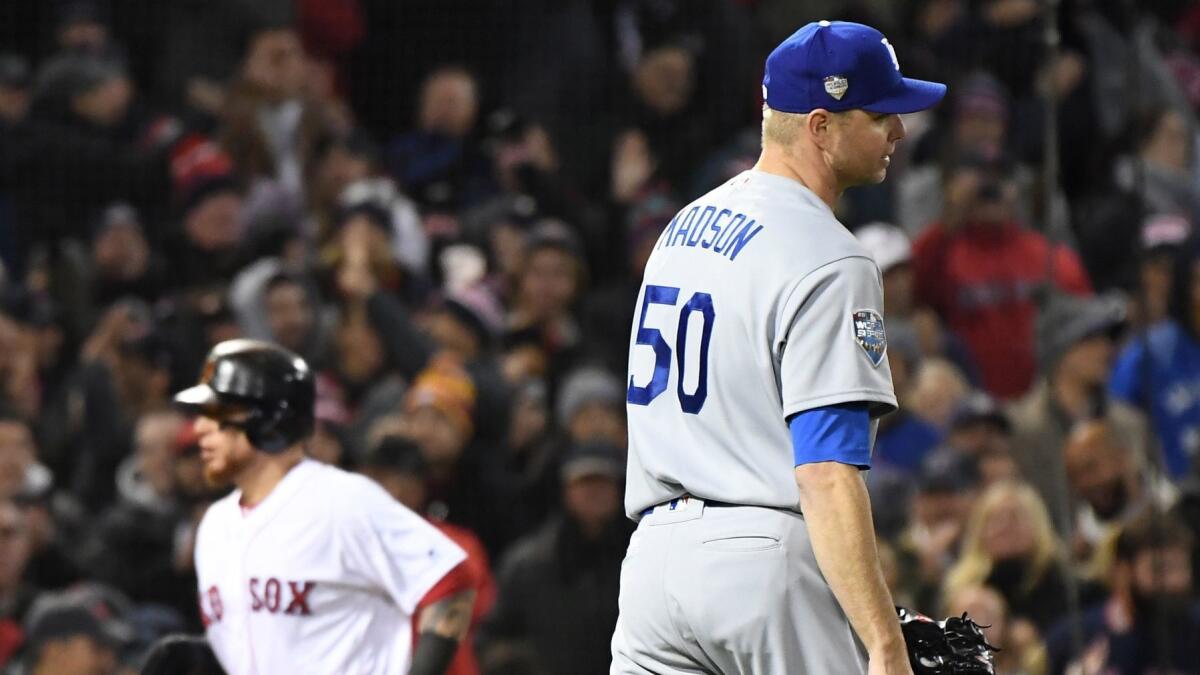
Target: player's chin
218,474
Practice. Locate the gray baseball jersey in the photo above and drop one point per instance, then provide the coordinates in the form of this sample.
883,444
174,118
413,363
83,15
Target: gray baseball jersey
756,304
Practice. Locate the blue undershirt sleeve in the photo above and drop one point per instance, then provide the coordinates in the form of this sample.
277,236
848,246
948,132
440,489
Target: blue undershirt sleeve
836,433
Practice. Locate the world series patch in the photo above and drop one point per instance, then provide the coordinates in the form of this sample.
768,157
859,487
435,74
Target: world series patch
870,335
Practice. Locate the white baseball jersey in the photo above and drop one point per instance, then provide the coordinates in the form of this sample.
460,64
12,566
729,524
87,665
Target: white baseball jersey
756,304
322,576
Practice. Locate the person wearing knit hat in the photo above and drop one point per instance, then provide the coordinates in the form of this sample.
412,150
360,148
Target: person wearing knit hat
83,27
439,407
439,417
70,633
591,406
468,322
1066,321
209,199
1075,354
1162,236
96,88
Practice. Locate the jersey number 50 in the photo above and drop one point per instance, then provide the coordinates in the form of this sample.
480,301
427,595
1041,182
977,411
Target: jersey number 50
699,302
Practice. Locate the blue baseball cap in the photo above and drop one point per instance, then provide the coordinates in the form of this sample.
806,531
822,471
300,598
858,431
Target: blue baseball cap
838,65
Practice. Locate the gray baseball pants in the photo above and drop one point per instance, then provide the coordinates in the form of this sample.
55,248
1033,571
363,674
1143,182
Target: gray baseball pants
728,590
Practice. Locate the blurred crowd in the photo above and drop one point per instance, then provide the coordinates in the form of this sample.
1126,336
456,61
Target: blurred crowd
445,206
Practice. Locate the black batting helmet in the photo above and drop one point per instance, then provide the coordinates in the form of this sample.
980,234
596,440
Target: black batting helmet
268,389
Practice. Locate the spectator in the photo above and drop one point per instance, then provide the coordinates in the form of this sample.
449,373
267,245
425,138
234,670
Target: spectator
439,418
207,246
358,361
891,249
135,540
945,489
591,407
271,129
1075,350
14,106
68,636
1159,369
74,152
1163,142
18,368
1111,483
1150,621
981,431
937,390
550,281
522,470
83,28
468,324
14,90
978,266
35,341
978,124
903,439
440,162
1162,235
558,586
404,237
664,118
122,261
363,228
529,176
18,456
16,546
292,312
338,161
398,465
1019,648
1010,545
49,516
181,655
125,373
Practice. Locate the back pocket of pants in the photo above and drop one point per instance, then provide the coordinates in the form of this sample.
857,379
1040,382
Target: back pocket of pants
743,543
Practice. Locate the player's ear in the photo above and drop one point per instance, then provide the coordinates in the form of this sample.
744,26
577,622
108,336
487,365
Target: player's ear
817,123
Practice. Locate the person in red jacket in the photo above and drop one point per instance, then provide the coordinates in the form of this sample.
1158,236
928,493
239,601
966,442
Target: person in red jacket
980,268
398,466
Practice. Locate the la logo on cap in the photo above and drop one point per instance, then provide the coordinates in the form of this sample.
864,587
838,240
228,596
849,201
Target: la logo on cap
836,86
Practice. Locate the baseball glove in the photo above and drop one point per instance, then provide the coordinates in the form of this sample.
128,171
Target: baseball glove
953,646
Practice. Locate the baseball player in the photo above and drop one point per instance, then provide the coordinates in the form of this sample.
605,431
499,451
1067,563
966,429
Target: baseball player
757,368
305,568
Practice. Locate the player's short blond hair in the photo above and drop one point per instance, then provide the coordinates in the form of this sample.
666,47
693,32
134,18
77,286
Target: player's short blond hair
781,128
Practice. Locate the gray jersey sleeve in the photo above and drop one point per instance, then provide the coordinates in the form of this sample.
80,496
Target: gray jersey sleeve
831,344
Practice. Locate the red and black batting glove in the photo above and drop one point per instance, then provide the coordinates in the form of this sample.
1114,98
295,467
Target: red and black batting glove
952,646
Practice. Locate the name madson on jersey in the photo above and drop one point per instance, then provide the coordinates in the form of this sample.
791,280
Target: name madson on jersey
719,230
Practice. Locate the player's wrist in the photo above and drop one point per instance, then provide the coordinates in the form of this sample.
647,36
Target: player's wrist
888,645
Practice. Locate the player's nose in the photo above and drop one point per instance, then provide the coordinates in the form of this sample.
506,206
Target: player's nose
898,130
